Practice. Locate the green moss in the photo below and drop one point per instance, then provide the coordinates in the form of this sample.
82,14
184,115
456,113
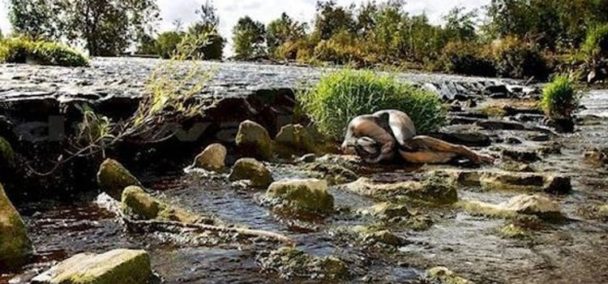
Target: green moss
289,261
596,42
113,178
7,154
445,276
23,50
341,96
485,209
15,246
136,201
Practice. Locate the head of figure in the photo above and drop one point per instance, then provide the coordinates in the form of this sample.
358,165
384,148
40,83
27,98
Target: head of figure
368,148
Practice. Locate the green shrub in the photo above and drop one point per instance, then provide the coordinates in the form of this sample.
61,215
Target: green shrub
596,43
341,96
514,58
559,98
467,59
22,50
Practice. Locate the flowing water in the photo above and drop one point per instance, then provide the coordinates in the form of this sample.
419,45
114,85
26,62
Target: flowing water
573,251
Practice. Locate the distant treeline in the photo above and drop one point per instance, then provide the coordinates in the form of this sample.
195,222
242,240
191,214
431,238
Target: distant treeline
514,38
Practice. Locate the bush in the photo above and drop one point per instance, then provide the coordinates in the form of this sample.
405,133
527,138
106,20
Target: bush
596,43
341,49
22,50
341,96
467,59
559,98
514,58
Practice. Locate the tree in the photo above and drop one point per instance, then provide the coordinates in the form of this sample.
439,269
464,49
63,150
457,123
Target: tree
207,27
283,30
107,27
248,37
460,25
331,19
167,43
34,18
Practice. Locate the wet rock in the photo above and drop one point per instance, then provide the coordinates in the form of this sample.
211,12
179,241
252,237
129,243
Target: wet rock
116,266
501,180
520,155
135,201
443,275
436,189
334,173
213,158
7,155
296,139
113,177
496,89
538,205
513,166
464,135
304,195
493,124
388,210
254,140
290,263
15,246
513,141
596,156
252,170
371,235
308,158
603,212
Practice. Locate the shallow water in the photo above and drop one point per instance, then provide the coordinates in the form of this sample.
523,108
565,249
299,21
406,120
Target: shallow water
568,252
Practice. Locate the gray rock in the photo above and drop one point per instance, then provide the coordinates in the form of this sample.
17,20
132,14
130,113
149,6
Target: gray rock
303,195
252,170
213,158
254,140
113,178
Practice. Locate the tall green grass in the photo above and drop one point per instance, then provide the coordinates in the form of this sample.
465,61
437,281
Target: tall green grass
560,98
341,96
22,50
596,42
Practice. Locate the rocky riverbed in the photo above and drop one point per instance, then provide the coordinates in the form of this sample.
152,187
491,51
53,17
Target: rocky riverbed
537,216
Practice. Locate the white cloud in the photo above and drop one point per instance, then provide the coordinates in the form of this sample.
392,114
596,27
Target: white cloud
266,10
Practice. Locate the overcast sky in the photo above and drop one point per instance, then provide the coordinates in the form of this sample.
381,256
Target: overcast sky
267,10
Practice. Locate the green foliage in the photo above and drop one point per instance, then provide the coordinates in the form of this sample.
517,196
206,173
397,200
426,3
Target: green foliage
514,58
466,58
283,30
22,50
341,96
596,42
106,27
560,99
331,19
207,26
342,48
167,43
249,37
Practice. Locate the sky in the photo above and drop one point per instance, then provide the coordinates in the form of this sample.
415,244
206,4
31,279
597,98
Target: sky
266,10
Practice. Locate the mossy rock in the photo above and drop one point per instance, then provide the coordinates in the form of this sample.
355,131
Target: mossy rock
254,140
7,154
288,261
443,275
116,266
296,139
375,235
334,174
113,178
388,210
537,205
15,246
512,231
213,158
304,195
252,170
136,201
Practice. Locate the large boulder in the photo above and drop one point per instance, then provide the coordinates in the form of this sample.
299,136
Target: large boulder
252,170
213,158
113,178
296,139
303,195
135,201
254,141
538,205
15,246
116,266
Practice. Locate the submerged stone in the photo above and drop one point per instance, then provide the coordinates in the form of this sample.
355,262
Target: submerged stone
136,201
116,266
303,195
113,178
252,170
388,210
213,158
15,246
254,140
289,262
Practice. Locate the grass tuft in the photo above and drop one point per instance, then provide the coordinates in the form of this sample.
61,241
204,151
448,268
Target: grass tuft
560,99
24,50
